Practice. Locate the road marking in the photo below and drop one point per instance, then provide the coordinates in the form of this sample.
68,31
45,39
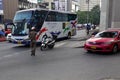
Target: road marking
7,46
60,44
17,53
9,56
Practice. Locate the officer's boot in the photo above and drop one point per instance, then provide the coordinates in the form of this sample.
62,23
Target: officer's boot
32,53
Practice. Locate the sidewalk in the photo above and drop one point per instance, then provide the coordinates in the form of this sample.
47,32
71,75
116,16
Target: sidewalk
82,37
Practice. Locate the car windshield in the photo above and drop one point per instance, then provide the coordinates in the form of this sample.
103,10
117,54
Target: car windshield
108,34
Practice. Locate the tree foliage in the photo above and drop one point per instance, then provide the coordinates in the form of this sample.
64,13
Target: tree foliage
94,16
82,15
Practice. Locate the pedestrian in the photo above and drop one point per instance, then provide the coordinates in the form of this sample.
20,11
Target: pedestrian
88,28
32,36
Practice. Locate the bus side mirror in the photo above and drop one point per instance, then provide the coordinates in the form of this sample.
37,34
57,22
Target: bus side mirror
29,25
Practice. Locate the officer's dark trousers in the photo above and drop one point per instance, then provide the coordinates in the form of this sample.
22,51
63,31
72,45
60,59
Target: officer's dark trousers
33,47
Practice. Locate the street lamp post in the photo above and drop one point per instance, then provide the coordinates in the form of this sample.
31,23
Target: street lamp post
87,1
58,4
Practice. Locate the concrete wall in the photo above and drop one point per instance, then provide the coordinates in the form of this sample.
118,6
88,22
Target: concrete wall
104,15
116,14
110,14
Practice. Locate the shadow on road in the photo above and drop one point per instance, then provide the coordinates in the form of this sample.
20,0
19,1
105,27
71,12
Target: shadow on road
103,53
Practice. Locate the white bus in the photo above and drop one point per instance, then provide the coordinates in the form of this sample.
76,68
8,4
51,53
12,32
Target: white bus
45,21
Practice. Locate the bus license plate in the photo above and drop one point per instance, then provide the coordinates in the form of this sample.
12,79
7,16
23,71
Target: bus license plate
93,47
19,42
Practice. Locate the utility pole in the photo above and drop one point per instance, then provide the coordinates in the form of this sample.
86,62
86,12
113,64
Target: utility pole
58,4
88,1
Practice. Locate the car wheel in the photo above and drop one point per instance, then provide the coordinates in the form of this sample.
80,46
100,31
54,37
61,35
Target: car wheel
89,51
9,41
115,49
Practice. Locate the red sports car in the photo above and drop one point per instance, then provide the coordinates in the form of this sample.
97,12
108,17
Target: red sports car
105,41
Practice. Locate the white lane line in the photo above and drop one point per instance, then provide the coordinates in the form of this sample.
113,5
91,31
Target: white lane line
77,44
7,47
17,53
60,44
9,56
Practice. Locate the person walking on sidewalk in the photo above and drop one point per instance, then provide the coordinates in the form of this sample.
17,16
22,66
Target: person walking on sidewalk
32,36
88,29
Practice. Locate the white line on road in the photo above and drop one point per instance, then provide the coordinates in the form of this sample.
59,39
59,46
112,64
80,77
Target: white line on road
60,44
9,56
17,53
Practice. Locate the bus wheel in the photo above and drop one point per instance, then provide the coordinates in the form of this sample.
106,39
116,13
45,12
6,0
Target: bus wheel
69,35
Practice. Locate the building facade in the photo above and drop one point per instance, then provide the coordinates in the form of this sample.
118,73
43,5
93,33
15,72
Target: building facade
49,4
67,5
75,5
84,4
11,6
1,11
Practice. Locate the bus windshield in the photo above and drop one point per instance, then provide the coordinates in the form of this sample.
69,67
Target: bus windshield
23,15
20,29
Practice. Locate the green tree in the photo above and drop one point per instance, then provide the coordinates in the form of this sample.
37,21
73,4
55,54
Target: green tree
82,17
95,15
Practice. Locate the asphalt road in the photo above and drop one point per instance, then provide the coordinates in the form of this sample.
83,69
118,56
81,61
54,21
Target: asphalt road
64,62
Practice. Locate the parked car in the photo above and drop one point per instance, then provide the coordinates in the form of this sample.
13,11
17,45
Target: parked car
80,26
105,41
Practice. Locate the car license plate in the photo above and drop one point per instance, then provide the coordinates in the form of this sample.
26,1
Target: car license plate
19,42
93,47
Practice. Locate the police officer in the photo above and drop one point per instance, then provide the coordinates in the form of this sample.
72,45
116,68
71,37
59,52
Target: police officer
32,36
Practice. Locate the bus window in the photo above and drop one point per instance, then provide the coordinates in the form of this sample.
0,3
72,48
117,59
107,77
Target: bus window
65,17
72,17
51,16
39,18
